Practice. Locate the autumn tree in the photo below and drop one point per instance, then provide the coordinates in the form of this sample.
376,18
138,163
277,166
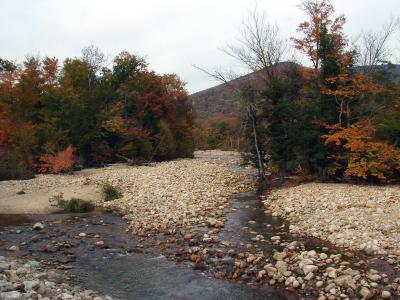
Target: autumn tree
320,19
55,117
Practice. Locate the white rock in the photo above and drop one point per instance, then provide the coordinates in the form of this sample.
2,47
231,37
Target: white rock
38,226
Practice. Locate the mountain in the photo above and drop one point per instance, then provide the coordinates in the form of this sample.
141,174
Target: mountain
219,99
224,100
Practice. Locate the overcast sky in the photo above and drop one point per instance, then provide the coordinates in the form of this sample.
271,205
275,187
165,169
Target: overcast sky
172,34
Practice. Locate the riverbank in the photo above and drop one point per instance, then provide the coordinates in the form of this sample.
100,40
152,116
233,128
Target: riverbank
351,216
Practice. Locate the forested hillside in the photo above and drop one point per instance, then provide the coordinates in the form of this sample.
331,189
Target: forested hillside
54,117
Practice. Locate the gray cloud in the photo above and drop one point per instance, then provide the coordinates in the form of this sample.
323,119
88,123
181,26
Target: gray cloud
173,34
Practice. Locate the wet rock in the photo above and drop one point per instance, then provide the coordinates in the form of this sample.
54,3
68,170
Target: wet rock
38,226
14,248
100,244
51,248
200,265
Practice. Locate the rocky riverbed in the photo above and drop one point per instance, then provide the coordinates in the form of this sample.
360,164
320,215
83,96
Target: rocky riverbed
182,229
175,194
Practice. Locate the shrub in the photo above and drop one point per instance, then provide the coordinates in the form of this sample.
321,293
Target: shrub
21,192
62,162
74,205
111,193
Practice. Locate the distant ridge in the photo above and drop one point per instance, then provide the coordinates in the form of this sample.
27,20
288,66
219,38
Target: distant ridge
223,99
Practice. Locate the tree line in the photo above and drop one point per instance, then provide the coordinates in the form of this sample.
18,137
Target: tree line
338,119
54,117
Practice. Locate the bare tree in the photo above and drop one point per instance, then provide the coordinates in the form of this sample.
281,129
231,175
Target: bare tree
259,46
374,48
259,49
95,59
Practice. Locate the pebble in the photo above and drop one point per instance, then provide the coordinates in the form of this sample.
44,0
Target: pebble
99,243
386,295
14,248
365,292
38,226
309,269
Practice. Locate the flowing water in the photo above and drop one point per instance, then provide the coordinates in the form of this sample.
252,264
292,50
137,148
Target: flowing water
122,269
126,269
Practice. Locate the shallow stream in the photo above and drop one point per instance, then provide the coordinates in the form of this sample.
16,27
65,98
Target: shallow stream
124,268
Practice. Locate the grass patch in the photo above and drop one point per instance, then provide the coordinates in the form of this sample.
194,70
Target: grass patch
21,192
111,193
73,205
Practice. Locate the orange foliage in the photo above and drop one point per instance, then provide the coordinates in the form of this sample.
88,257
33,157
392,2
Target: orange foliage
319,12
349,86
61,162
365,157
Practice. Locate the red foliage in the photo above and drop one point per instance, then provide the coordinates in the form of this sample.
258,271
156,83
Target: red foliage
61,162
3,145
